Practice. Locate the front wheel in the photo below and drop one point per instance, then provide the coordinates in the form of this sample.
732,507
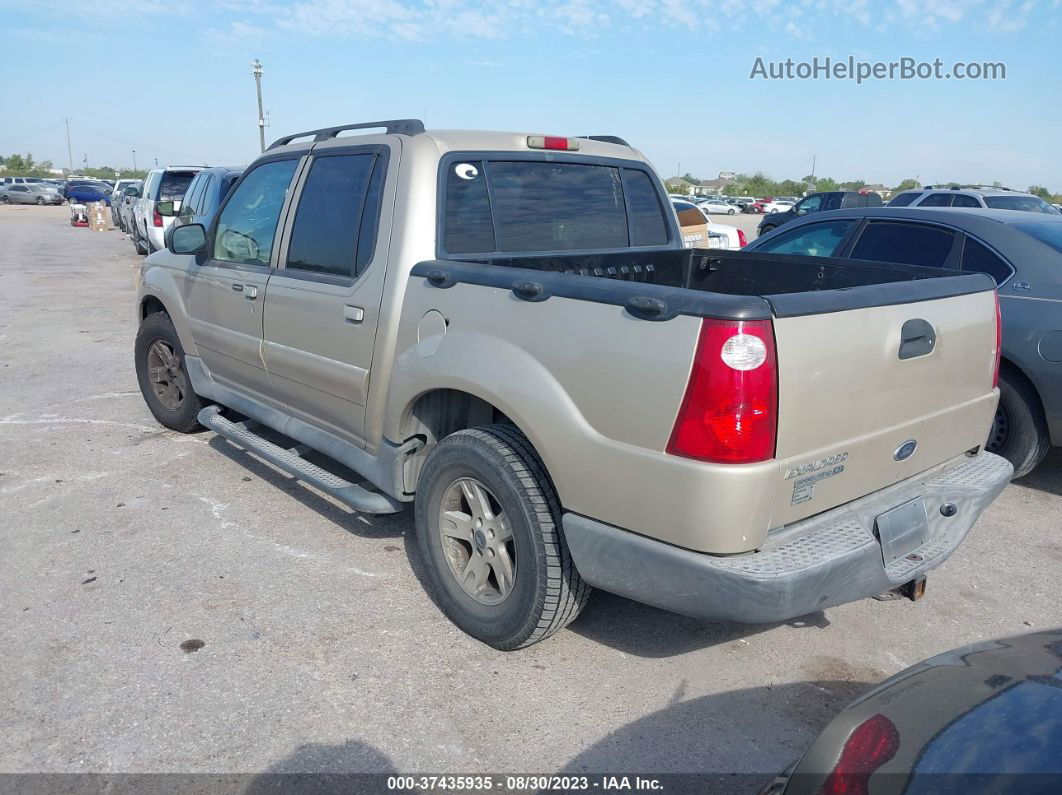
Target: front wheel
1019,430
162,376
489,528
40,201
731,211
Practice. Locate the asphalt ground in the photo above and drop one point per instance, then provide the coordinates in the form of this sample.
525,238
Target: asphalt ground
171,604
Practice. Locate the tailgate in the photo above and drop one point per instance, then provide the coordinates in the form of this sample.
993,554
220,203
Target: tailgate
855,417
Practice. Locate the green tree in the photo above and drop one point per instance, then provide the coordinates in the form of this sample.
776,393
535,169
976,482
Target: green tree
1041,191
15,163
827,183
855,184
907,184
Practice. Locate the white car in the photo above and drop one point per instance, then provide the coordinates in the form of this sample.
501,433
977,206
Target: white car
717,207
778,206
729,236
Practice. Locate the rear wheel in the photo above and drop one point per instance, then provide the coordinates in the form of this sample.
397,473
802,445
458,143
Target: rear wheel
138,241
488,526
766,229
40,201
162,376
1019,430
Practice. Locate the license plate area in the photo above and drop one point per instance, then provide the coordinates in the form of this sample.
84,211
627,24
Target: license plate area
902,530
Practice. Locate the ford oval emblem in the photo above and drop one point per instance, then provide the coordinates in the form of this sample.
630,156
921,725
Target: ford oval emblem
905,450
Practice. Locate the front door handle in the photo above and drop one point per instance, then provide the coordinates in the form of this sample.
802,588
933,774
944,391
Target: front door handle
353,314
251,292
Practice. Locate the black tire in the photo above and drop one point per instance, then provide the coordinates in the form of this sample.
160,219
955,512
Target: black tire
4,199
158,327
765,229
40,201
547,591
138,241
1019,431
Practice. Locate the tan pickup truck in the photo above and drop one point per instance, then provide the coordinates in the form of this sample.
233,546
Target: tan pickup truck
505,330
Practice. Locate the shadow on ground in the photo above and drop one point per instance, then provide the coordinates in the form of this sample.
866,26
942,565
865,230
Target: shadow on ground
354,522
1048,476
353,767
644,631
728,742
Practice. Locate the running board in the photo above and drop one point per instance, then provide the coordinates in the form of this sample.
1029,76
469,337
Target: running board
291,461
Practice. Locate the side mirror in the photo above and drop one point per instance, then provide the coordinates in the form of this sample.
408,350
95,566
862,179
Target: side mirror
187,239
131,191
165,209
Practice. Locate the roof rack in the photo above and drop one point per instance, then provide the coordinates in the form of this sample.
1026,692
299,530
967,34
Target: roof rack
966,187
607,139
392,126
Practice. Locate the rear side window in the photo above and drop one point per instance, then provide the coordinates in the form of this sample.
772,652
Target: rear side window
978,257
537,205
190,202
1025,203
936,200
333,209
813,240
910,244
174,184
962,200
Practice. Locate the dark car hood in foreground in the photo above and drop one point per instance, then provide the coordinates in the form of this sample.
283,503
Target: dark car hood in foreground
980,718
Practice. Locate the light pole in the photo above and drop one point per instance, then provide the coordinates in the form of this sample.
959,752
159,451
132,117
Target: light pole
256,70
134,160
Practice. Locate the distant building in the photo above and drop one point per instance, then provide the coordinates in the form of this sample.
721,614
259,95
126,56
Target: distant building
680,185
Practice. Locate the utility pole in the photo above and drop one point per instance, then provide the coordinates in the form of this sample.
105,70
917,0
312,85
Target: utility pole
69,151
256,70
134,160
813,167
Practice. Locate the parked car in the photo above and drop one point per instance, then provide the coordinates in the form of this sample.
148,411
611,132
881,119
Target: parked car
117,192
201,200
777,206
126,202
820,202
1022,252
691,215
755,207
970,197
717,207
20,181
986,717
96,184
440,349
28,194
161,185
85,194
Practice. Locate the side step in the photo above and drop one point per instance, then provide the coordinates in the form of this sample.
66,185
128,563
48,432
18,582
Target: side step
291,461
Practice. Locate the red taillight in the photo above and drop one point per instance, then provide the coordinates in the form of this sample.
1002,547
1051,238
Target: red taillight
553,142
742,240
729,413
873,743
156,219
999,343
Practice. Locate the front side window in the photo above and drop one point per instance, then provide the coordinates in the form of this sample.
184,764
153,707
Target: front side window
909,244
248,223
812,204
326,237
936,200
814,240
532,205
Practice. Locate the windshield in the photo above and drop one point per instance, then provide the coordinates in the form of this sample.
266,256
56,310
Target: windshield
1048,233
1032,204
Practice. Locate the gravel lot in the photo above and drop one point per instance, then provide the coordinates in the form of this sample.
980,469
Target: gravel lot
320,648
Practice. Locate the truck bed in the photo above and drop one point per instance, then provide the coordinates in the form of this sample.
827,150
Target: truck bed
658,285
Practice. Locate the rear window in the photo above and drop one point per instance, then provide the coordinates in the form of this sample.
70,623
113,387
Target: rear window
174,184
534,205
1048,233
1026,203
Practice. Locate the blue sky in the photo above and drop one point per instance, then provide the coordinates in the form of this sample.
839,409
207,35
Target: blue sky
173,79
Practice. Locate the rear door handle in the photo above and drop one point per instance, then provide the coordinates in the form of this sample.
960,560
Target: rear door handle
353,314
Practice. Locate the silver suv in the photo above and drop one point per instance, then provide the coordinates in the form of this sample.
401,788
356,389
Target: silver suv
148,227
971,196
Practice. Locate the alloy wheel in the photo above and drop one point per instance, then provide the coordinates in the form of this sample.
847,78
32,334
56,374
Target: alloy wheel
165,374
477,541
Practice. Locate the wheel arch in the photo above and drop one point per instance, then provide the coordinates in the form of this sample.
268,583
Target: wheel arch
1012,371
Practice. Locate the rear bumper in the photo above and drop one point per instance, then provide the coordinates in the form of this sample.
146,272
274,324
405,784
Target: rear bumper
825,560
